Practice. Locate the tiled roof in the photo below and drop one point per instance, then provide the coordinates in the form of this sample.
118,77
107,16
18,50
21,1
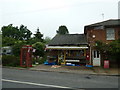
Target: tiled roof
68,39
111,22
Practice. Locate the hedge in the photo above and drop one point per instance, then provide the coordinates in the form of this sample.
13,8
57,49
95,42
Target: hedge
10,60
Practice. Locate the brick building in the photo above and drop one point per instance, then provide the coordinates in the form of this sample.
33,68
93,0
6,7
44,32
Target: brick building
106,32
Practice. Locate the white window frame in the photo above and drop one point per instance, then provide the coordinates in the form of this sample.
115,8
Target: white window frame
110,34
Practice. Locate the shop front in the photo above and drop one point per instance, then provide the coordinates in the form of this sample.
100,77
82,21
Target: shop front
68,55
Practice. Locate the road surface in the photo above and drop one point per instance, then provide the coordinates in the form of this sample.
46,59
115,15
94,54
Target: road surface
14,78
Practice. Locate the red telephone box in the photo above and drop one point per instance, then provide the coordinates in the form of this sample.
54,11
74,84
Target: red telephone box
26,56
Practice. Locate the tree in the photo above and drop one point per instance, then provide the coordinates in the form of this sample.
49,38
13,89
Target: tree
39,46
62,30
38,36
21,33
10,31
47,40
8,41
17,47
24,33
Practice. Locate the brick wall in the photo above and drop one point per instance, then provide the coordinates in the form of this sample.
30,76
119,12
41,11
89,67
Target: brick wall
93,35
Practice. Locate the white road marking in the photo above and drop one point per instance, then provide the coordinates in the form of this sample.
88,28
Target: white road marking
30,83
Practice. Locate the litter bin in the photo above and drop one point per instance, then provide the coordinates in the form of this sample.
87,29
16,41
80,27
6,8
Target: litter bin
106,63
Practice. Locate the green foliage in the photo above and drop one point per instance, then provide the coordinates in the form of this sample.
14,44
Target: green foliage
62,30
47,40
16,37
17,47
115,49
39,46
24,33
43,59
111,50
10,60
32,41
102,46
21,33
38,36
39,60
10,31
115,46
8,41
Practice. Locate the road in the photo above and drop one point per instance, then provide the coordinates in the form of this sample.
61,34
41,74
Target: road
13,78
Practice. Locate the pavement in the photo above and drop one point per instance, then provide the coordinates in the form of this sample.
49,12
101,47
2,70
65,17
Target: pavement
73,69
77,69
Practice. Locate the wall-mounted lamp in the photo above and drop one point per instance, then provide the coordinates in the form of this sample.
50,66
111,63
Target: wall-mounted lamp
93,36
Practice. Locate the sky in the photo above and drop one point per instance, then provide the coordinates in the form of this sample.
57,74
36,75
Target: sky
48,15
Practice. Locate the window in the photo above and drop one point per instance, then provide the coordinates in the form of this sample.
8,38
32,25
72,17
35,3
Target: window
96,54
110,34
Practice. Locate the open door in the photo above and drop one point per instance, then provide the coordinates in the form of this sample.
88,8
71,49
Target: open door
96,58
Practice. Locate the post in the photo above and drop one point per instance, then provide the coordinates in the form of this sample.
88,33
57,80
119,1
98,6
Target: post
64,57
21,57
84,52
90,56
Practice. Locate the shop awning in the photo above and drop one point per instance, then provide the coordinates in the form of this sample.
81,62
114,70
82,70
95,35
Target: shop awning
66,47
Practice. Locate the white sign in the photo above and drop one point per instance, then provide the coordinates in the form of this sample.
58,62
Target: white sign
34,50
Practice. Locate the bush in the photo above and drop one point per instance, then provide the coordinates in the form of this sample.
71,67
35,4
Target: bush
43,59
109,51
39,46
39,60
10,60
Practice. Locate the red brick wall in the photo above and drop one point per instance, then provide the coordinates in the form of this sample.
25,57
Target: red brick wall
100,35
117,33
